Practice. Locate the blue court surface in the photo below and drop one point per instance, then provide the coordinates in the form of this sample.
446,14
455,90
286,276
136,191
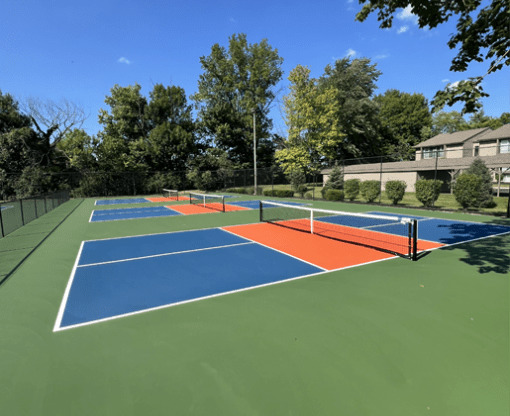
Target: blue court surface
453,232
123,276
121,201
131,213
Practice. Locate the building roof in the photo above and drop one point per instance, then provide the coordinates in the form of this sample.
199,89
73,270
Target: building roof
452,138
496,161
502,133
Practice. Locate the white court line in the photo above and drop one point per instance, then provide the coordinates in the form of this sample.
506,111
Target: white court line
163,254
134,218
63,304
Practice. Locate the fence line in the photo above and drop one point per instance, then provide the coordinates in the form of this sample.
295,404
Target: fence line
18,212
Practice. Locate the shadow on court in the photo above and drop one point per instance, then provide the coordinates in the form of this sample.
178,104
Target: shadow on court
488,254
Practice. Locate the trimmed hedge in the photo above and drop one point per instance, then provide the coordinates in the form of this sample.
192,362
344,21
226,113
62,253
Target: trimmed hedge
468,190
351,189
370,190
236,190
334,195
427,191
282,193
395,190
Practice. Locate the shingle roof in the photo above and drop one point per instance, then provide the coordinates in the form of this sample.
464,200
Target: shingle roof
452,138
502,133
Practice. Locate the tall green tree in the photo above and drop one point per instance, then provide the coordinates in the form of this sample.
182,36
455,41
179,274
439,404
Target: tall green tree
448,122
314,134
482,35
403,117
354,82
237,81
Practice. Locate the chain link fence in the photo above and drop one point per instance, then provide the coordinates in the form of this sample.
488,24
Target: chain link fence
18,212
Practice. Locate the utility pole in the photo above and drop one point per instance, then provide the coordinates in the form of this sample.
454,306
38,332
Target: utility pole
254,154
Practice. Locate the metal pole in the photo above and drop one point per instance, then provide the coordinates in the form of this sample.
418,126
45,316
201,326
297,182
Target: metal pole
254,155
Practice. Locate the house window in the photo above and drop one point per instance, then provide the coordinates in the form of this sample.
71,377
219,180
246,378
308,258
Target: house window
476,150
433,152
504,146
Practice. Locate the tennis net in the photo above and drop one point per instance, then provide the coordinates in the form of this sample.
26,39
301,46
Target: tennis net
215,202
391,234
171,193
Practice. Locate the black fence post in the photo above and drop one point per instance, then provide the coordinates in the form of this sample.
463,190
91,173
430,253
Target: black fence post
21,211
1,223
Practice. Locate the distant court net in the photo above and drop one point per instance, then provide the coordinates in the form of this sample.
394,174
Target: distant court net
214,202
391,234
171,193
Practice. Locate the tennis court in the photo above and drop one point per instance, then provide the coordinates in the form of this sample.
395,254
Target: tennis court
222,314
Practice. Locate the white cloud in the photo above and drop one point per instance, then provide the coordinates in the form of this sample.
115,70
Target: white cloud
446,80
123,60
382,56
453,84
406,14
350,53
402,29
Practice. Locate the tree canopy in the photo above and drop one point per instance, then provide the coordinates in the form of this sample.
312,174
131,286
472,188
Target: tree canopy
235,83
482,34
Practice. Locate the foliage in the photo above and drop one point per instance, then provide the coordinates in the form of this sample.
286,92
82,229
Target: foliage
236,190
354,83
395,190
427,191
334,195
336,178
479,169
311,117
482,35
297,179
211,170
351,189
403,116
234,83
370,190
282,193
467,190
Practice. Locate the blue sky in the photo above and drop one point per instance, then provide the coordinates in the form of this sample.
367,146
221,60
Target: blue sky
80,50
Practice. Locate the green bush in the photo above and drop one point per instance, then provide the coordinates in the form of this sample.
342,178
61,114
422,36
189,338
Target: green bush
282,193
468,190
334,195
479,169
427,191
395,190
250,190
351,189
236,190
309,195
370,190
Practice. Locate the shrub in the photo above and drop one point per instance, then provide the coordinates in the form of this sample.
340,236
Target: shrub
479,169
395,190
351,189
334,195
297,179
468,189
370,190
236,190
282,193
427,191
309,195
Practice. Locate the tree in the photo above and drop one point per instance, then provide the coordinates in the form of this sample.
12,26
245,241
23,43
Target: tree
80,150
482,34
10,116
480,170
311,117
354,83
448,122
402,116
480,120
234,83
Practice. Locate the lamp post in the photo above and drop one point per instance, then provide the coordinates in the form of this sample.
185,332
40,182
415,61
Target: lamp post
254,154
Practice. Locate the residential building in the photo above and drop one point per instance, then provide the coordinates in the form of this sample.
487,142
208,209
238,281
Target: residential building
443,157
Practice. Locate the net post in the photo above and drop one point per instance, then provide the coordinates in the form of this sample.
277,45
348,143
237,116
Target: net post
223,203
190,198
415,240
260,211
311,221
